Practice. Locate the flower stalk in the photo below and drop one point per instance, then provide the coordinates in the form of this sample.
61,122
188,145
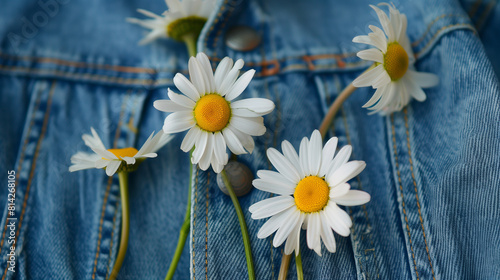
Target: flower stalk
298,265
123,178
243,225
184,231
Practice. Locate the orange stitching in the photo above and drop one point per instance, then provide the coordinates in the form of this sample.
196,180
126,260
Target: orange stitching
95,77
401,189
416,192
439,31
206,227
23,152
108,188
77,64
194,217
348,136
33,165
112,234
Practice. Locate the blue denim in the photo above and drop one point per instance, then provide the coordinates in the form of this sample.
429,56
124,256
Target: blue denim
432,169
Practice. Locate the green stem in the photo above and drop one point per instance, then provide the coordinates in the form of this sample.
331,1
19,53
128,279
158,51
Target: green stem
123,178
285,263
243,225
190,40
298,264
184,232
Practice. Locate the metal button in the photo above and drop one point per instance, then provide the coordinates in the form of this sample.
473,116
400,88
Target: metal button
242,38
240,177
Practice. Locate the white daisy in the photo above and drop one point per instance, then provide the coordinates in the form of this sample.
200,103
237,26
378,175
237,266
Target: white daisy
209,111
309,188
112,159
181,16
394,76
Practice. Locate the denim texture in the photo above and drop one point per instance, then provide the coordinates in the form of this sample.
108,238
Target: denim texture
432,169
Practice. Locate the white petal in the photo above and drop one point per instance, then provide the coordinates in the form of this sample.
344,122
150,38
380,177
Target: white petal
252,126
221,72
293,241
186,87
385,22
290,153
190,139
169,106
387,98
207,71
346,172
240,85
261,106
378,38
341,158
283,165
415,90
148,146
200,146
362,39
340,190
423,79
232,142
182,100
292,223
327,155
245,139
372,55
244,113
281,188
149,14
275,222
230,78
314,152
196,76
101,163
381,80
327,234
163,140
313,230
276,178
93,141
336,222
304,155
112,167
353,198
206,158
220,149
178,121
129,160
271,206
376,96
367,78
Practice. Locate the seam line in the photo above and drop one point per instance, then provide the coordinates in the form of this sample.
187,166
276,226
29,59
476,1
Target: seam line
194,219
33,166
402,196
206,226
108,188
416,191
23,154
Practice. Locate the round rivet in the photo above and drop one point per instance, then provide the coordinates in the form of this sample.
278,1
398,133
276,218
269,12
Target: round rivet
240,177
242,38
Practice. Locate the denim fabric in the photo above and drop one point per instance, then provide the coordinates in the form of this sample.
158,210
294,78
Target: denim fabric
432,169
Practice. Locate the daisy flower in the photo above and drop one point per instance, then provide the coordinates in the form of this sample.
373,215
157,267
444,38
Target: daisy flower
181,18
116,159
394,76
309,188
209,111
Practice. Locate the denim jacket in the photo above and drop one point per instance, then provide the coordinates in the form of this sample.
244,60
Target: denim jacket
433,169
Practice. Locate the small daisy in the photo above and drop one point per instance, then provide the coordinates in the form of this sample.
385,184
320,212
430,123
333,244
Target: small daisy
309,188
394,76
112,159
209,111
180,16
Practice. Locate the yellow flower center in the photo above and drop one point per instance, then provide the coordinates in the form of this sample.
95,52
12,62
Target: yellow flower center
311,194
125,152
212,112
396,61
